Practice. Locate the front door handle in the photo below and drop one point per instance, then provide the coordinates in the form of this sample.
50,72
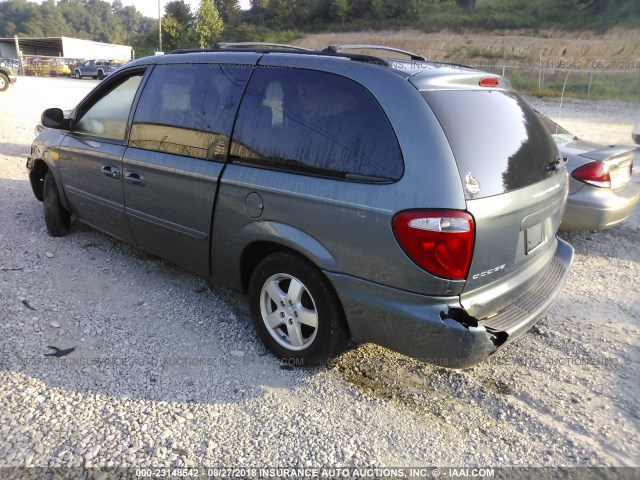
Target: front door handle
134,178
111,171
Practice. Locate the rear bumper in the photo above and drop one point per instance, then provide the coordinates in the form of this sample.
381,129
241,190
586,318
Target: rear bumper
436,329
593,208
13,78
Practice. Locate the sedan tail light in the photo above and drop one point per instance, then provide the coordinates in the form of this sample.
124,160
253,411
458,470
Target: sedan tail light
594,173
439,241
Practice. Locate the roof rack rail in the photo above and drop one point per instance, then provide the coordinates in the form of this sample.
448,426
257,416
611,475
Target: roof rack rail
278,47
221,45
337,48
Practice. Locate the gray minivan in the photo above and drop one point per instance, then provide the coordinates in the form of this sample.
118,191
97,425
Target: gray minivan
388,200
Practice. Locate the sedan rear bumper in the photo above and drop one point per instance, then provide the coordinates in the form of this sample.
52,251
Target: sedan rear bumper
594,208
437,330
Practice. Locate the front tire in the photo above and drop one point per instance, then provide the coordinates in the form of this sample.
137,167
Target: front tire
295,310
4,82
56,218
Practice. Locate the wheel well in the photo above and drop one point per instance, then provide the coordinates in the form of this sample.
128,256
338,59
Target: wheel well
254,254
36,177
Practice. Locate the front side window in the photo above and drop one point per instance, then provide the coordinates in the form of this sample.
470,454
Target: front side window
315,123
108,116
189,109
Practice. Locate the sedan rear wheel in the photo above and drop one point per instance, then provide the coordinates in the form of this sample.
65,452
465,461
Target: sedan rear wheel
56,218
295,310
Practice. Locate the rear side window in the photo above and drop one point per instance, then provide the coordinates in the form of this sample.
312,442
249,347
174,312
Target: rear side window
498,140
189,109
315,123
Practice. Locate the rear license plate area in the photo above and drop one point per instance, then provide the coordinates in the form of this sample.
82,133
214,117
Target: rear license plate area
620,176
534,237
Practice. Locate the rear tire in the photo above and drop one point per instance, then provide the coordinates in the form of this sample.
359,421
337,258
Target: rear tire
56,218
295,310
77,75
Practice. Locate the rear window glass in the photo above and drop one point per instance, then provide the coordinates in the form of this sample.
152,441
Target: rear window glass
315,123
497,139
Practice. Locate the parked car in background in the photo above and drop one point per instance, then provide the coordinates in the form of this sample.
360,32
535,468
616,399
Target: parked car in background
60,67
636,134
35,66
7,73
388,200
95,68
601,194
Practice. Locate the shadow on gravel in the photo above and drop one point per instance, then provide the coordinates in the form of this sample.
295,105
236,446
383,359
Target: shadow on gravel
141,327
15,149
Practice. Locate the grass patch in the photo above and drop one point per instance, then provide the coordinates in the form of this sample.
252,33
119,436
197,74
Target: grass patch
597,86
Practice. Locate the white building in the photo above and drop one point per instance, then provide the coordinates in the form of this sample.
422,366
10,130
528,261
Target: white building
63,47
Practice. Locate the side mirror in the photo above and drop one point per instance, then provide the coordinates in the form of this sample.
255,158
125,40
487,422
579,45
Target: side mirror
54,118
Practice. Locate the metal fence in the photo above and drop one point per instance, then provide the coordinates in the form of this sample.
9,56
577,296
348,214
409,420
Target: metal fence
597,83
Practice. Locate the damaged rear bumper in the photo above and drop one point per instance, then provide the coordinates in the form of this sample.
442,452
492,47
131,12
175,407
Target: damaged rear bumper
437,330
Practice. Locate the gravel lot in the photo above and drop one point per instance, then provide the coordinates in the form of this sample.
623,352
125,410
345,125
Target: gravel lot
168,372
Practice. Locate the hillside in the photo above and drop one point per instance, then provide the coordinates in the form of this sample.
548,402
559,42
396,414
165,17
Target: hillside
617,49
574,64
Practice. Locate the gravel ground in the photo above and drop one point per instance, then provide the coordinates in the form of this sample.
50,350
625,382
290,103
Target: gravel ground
168,372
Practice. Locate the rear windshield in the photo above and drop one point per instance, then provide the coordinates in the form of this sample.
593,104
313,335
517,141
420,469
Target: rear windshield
498,140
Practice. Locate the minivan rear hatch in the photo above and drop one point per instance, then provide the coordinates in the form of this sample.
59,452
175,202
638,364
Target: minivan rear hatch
515,187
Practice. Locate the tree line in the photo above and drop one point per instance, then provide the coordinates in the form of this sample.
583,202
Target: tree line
283,20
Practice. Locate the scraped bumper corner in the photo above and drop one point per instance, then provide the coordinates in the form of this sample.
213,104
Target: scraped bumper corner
438,330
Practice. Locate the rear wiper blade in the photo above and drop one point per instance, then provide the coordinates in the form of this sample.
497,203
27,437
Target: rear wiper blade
553,165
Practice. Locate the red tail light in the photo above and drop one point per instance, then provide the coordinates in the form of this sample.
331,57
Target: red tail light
439,241
489,82
594,173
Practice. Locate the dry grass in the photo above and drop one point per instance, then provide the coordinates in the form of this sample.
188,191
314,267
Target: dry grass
619,47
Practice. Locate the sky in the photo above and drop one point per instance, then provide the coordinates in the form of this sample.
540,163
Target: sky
149,8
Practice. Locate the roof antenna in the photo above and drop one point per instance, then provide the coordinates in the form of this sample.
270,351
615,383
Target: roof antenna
561,99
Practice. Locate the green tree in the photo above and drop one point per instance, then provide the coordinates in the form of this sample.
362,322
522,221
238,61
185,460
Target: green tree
418,8
340,8
77,18
180,11
389,8
229,11
53,22
360,8
177,26
209,25
467,5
